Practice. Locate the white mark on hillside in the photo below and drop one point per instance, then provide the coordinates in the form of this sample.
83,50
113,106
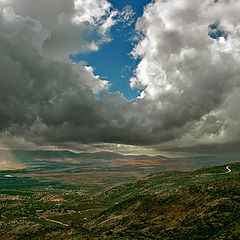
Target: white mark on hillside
9,176
228,168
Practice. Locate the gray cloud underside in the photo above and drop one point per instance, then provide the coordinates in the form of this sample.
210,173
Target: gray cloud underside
190,81
57,16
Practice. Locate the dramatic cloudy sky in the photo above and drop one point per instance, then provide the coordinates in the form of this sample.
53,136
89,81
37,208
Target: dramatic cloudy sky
119,75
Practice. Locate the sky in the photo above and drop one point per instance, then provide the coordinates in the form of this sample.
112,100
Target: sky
126,76
117,68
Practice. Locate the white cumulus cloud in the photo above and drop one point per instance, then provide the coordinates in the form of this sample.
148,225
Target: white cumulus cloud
188,71
68,22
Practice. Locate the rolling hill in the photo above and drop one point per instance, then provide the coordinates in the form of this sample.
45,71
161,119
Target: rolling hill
50,198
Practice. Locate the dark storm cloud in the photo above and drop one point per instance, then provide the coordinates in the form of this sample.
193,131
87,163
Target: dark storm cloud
46,100
190,80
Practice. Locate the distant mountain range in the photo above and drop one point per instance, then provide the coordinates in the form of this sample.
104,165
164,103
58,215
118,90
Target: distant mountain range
106,159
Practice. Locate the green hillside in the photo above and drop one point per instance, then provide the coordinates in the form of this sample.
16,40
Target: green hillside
208,208
199,204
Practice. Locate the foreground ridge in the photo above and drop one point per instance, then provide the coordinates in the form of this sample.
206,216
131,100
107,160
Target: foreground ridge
200,204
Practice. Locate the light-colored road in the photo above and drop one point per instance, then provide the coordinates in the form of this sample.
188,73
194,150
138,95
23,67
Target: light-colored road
63,224
228,168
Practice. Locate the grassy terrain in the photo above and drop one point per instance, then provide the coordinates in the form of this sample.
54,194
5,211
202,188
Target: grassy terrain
60,197
207,207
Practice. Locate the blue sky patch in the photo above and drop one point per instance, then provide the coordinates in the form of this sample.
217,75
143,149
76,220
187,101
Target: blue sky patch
113,61
216,31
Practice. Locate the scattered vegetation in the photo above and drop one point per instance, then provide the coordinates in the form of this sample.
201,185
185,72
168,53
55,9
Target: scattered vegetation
199,204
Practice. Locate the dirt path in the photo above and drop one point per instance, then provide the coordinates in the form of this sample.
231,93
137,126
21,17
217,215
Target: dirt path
63,224
228,168
211,174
